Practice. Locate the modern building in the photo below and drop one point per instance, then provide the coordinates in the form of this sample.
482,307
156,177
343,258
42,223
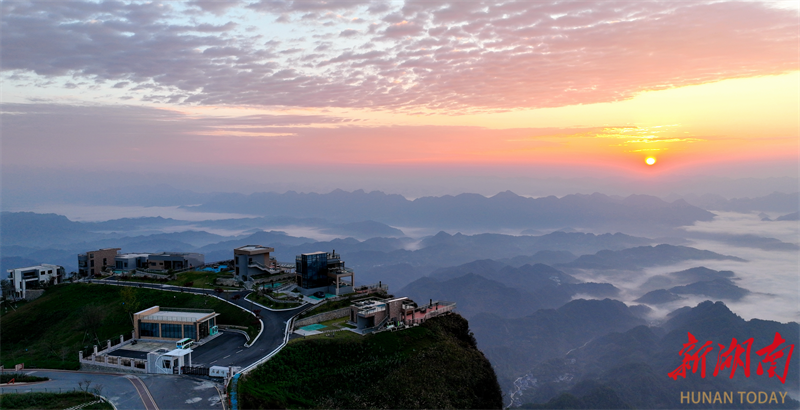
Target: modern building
174,323
323,272
374,313
251,260
174,260
131,261
94,262
163,361
35,277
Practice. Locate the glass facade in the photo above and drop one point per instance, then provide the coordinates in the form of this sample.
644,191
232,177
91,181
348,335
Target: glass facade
313,269
171,331
191,330
188,331
204,329
148,329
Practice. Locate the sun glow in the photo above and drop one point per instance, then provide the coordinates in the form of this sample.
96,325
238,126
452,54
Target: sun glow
650,161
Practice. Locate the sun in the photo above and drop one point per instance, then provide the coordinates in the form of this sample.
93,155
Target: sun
650,161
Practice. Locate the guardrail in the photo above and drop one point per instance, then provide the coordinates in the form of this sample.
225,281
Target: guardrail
235,378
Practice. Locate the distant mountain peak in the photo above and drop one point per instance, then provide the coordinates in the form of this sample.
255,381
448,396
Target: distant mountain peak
506,194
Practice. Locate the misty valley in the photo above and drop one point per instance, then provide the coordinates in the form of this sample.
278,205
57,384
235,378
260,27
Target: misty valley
584,300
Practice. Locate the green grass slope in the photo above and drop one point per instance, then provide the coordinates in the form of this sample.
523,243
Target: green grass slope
49,331
435,365
50,401
55,401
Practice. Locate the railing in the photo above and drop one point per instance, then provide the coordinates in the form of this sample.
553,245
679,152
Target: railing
340,270
163,318
370,311
371,288
187,310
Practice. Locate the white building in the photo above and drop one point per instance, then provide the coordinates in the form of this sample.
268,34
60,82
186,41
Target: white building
35,277
162,361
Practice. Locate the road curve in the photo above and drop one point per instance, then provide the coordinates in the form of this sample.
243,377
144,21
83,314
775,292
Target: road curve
144,393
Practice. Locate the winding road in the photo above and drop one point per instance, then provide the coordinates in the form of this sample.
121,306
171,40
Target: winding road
166,392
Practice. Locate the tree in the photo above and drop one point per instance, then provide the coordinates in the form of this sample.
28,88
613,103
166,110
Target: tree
8,288
86,386
52,343
130,301
91,319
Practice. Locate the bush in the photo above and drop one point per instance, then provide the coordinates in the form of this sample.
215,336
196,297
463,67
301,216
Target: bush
38,401
422,367
35,336
20,378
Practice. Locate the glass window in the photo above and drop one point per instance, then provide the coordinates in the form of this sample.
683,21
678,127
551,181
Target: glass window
148,329
189,331
313,270
212,322
169,330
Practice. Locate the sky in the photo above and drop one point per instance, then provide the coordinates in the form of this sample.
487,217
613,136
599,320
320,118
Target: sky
290,91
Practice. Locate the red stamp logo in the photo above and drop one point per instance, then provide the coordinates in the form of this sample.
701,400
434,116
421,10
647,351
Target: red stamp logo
734,356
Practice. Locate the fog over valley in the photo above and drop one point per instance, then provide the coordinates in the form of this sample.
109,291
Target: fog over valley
525,257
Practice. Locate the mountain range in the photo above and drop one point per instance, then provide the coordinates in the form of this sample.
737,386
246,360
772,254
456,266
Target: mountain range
586,344
465,211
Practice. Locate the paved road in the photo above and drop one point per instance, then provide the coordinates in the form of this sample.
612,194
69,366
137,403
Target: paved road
219,352
115,387
271,338
166,392
144,394
183,392
134,392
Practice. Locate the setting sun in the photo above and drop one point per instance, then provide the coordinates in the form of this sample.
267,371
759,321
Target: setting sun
650,161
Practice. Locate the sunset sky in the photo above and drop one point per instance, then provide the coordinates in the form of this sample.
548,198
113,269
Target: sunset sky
513,89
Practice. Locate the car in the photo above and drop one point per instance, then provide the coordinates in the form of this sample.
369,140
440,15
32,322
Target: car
320,294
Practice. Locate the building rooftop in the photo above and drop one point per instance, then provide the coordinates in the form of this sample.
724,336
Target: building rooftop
100,250
42,266
172,253
179,315
178,352
254,249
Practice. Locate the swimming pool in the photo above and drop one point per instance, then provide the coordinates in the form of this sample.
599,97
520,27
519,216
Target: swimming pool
316,326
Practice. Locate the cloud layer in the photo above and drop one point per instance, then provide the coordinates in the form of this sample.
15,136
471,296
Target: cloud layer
451,57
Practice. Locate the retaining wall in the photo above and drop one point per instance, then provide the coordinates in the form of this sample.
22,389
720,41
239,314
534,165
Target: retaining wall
333,314
87,367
